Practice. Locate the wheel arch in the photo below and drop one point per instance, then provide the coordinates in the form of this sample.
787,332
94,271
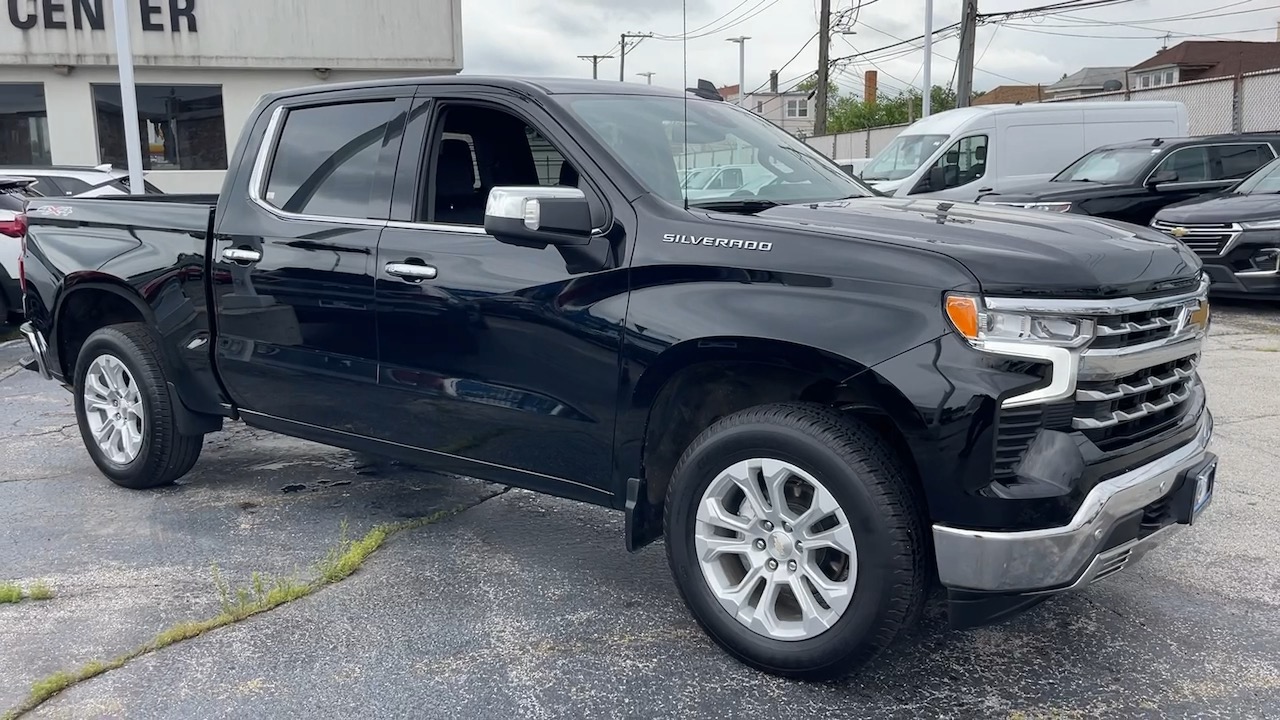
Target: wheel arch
728,374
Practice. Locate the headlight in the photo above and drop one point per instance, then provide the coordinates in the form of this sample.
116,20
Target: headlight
1261,225
1051,207
981,326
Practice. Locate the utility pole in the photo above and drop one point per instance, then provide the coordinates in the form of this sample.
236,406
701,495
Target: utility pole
824,68
742,68
622,53
128,97
648,76
927,100
968,35
595,63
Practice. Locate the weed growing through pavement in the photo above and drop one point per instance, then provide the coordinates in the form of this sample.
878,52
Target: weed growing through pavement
263,593
11,593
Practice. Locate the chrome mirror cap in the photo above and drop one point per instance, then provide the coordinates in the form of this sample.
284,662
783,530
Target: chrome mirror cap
520,202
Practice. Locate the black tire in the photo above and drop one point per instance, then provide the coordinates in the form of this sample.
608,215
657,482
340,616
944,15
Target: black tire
873,489
166,454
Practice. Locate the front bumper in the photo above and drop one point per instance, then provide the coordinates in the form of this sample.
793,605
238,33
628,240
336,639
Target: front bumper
1059,559
39,349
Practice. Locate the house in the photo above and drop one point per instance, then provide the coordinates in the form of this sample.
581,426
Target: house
1009,94
1087,81
1203,59
729,92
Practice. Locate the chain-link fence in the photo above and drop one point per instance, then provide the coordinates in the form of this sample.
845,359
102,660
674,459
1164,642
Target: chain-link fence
1260,101
1250,103
1210,103
856,144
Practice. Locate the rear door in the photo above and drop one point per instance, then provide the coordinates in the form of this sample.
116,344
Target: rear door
498,360
293,265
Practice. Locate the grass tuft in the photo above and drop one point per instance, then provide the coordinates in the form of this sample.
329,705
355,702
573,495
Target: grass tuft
39,590
262,593
10,593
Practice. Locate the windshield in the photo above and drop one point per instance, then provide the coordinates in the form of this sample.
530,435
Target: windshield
749,158
903,156
1264,181
1118,165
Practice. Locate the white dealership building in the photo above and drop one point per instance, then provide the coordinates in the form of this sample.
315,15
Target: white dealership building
200,66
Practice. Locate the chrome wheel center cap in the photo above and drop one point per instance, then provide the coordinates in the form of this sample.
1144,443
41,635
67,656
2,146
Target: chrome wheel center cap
781,545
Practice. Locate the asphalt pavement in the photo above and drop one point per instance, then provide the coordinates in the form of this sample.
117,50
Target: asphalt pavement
519,605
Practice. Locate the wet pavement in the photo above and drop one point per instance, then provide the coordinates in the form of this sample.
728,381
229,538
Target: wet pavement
524,606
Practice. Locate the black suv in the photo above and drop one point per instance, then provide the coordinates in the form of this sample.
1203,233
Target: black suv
1235,233
1133,181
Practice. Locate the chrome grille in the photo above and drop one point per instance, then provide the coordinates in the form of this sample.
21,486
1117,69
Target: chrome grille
1203,239
1137,375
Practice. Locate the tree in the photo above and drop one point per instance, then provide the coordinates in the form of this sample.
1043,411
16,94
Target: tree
849,113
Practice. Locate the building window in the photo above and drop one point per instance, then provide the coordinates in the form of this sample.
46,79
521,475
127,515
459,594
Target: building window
24,125
798,108
1146,81
182,126
1168,77
759,107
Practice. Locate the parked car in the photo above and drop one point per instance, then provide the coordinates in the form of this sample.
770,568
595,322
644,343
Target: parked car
76,180
1133,181
14,193
1235,233
820,397
717,181
964,153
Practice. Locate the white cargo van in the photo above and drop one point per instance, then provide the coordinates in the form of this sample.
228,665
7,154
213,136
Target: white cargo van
963,153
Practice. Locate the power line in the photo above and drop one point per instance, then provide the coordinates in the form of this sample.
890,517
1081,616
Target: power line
1076,21
1162,34
785,64
755,10
944,57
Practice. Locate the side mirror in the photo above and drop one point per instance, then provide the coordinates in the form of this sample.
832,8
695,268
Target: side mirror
1162,176
538,216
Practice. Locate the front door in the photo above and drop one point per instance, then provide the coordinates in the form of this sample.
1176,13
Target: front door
294,258
501,361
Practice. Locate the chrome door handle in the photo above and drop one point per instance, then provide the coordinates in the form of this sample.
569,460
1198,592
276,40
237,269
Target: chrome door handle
411,271
241,255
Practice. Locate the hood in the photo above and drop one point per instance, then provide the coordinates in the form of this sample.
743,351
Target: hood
1009,250
1045,191
1223,209
888,187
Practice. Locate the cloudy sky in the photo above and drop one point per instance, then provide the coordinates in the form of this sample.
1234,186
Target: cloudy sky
544,37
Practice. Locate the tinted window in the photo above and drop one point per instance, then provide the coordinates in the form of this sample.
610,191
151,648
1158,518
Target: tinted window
24,125
1236,161
326,158
70,185
182,126
1190,164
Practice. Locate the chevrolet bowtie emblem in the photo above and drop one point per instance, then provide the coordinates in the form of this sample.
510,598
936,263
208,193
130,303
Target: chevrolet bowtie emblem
1178,232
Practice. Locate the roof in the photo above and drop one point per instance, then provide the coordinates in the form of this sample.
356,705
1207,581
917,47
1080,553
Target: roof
1009,94
43,170
1219,58
948,121
1088,78
550,86
728,90
1273,138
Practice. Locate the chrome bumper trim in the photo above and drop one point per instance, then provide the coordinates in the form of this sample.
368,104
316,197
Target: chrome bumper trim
1065,558
39,347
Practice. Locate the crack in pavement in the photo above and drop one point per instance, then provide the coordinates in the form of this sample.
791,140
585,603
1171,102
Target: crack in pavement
48,688
63,429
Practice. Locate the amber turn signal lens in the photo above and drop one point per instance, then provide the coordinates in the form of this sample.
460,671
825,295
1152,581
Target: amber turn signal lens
963,312
1200,318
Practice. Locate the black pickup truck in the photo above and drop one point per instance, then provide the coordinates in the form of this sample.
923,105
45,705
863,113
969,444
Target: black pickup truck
825,401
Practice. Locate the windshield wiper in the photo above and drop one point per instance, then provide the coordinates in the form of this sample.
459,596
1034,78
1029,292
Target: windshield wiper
745,205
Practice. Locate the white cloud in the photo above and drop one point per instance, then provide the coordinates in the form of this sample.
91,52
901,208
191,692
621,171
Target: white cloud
544,37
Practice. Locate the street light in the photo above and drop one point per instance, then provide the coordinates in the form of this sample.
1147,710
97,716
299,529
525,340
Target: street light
742,67
647,76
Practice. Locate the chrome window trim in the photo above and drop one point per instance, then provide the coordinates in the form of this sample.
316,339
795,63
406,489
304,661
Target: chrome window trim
437,227
1117,306
258,179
